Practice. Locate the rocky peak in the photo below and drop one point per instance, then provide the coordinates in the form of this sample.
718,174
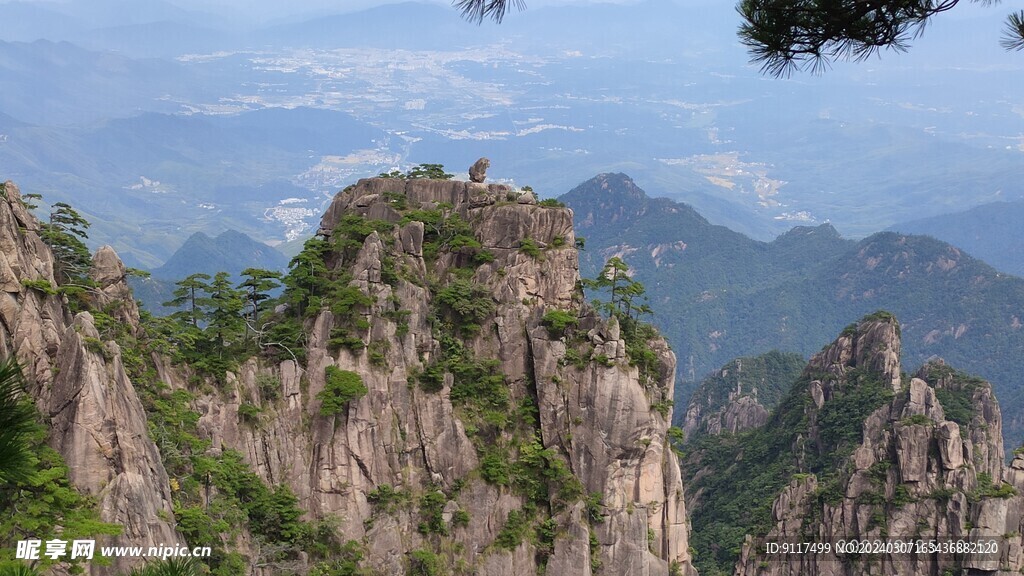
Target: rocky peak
614,189
741,413
924,463
79,382
871,345
826,230
855,452
491,389
114,293
967,404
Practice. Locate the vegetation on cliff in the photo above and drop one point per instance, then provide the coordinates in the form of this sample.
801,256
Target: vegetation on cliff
455,312
743,473
738,476
217,496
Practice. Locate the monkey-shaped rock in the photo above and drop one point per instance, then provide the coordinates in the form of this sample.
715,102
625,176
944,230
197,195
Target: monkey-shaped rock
478,171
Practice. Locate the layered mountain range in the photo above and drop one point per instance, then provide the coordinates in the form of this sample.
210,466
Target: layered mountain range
718,295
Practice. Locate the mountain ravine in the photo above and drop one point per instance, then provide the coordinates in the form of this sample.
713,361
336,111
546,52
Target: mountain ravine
487,435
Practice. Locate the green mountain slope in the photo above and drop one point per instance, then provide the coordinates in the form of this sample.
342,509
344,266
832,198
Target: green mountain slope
990,232
719,295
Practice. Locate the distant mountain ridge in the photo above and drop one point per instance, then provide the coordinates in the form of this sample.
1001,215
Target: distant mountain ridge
990,232
718,295
230,251
82,86
178,174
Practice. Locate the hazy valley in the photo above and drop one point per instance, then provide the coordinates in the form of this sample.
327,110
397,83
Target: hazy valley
678,111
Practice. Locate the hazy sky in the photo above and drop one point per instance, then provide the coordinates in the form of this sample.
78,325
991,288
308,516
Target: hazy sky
945,32
248,12
262,10
355,4
276,8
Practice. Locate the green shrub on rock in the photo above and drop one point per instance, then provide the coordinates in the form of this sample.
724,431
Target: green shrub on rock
342,387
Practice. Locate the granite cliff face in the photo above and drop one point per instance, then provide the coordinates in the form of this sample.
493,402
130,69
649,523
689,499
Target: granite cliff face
558,464
79,382
595,417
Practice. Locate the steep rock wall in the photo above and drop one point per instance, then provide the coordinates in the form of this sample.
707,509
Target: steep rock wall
79,383
594,417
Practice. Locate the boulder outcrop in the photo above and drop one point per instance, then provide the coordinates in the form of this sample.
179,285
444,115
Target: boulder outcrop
478,171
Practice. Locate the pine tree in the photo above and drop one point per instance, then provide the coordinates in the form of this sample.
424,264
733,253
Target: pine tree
479,10
225,322
624,291
64,234
432,171
192,294
17,421
257,285
788,35
307,272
